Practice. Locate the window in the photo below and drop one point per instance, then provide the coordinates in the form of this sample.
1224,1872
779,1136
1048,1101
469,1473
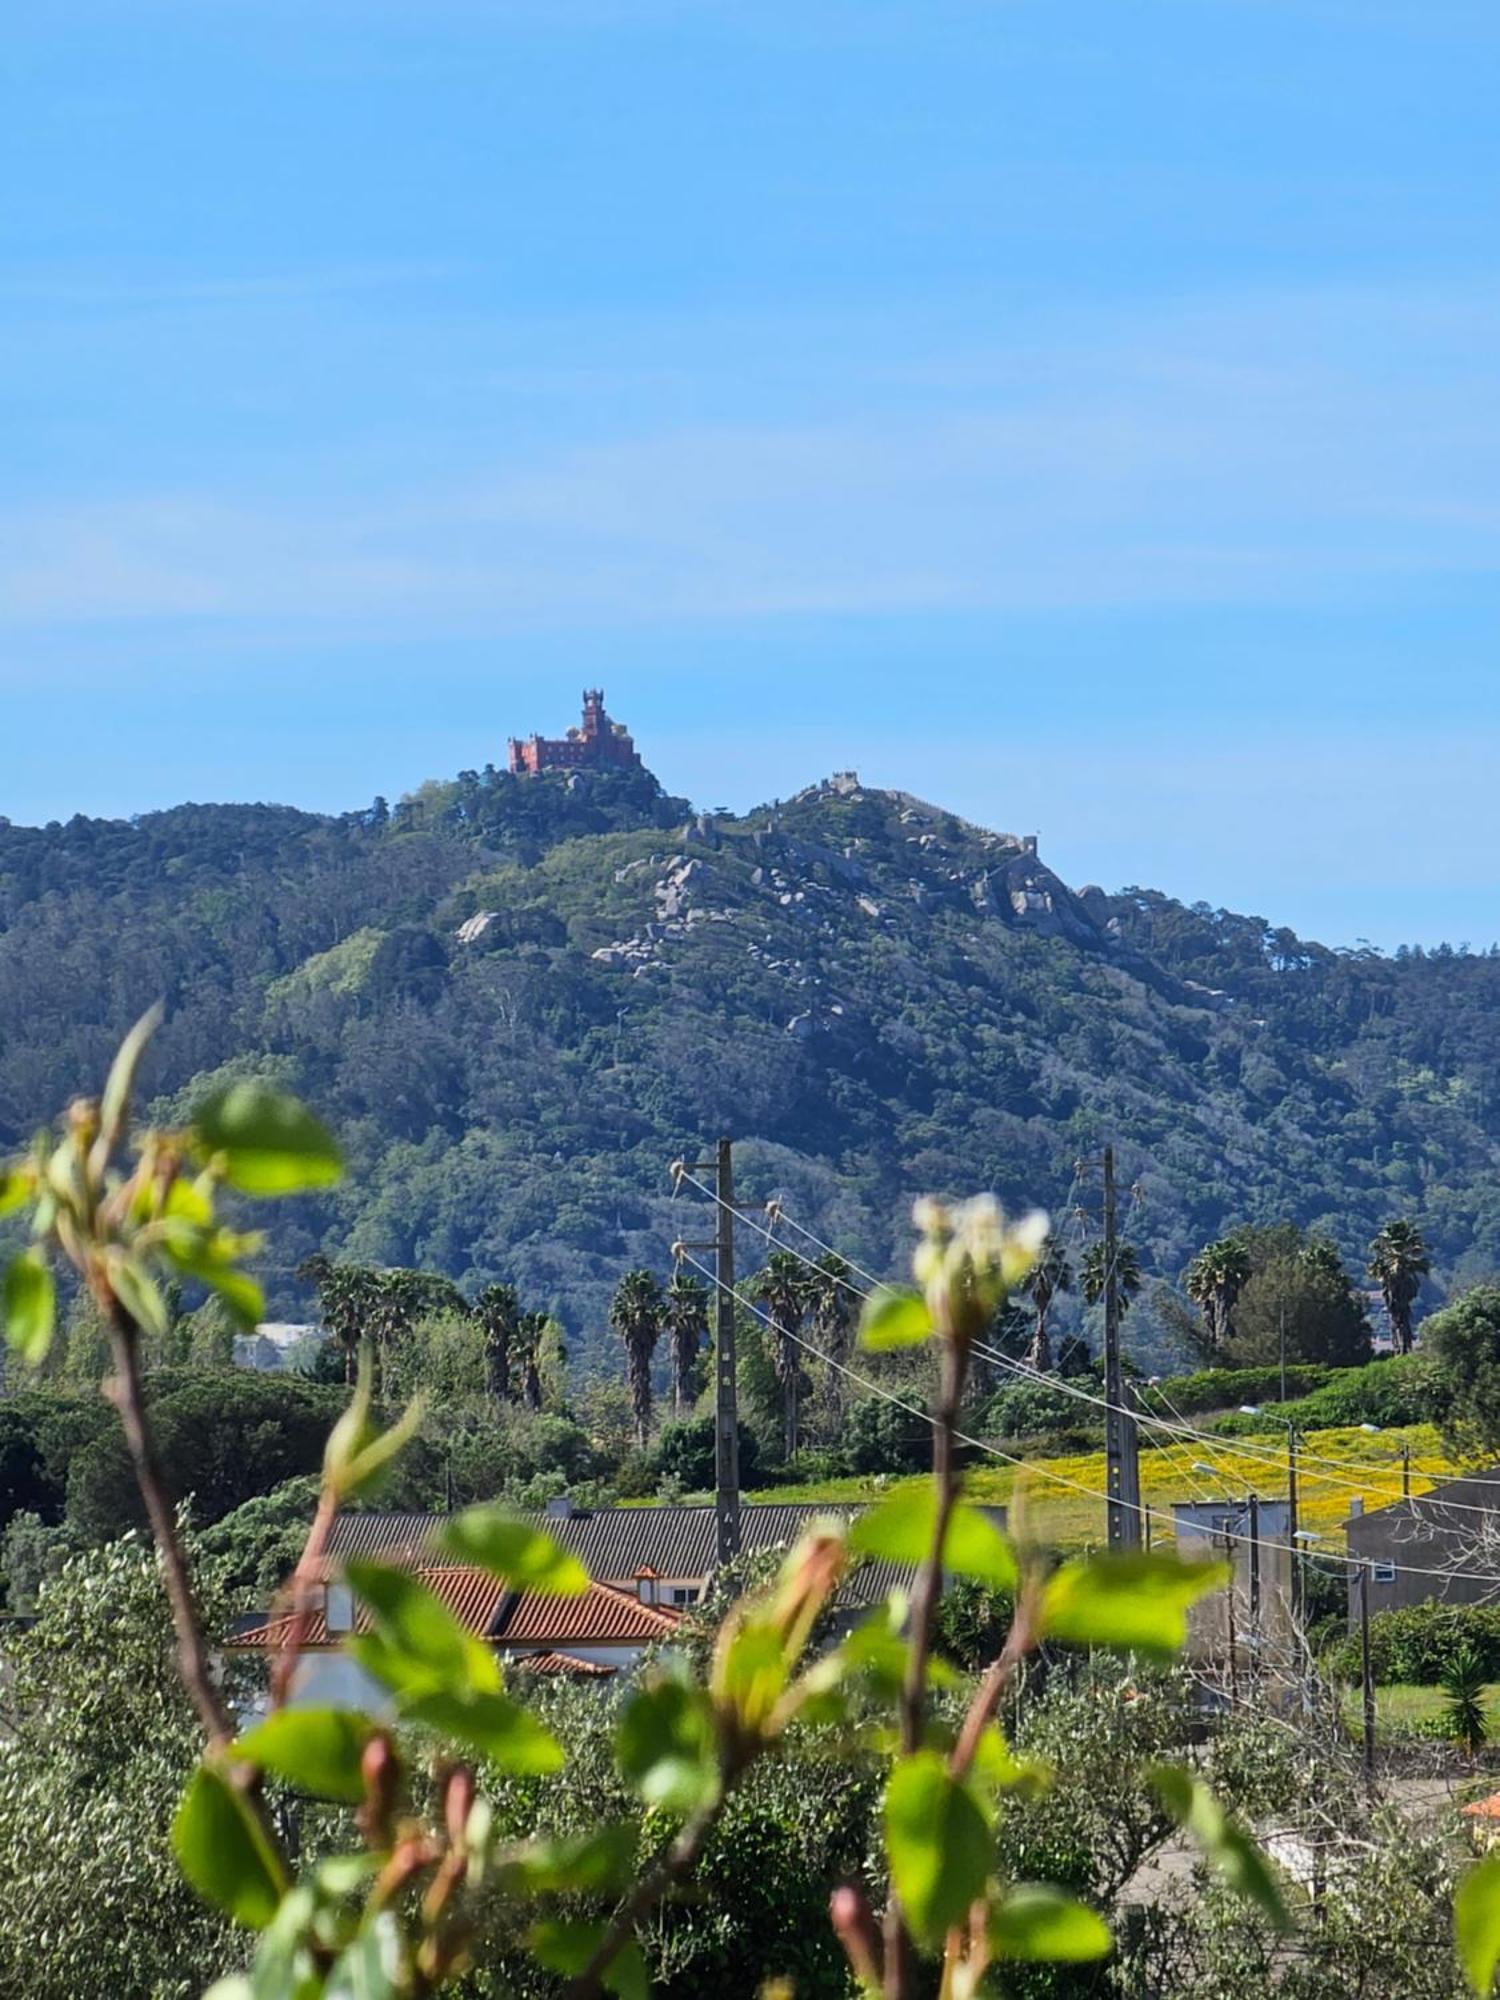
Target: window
1383,1572
684,1593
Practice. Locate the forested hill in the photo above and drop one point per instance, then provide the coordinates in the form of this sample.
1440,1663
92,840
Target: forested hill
519,999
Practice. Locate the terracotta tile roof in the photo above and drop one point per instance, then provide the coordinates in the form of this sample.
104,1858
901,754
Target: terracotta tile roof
602,1616
470,1594
1484,1808
567,1664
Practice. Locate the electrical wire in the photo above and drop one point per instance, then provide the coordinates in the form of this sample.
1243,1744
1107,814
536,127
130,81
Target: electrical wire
995,1451
1336,1471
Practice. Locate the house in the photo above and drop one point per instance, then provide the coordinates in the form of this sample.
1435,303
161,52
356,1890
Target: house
646,1566
1443,1545
614,1544
590,1637
1251,1622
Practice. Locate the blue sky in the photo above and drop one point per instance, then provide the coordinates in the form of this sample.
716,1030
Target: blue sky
1087,417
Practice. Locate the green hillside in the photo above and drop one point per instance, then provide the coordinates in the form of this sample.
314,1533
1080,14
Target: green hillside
519,999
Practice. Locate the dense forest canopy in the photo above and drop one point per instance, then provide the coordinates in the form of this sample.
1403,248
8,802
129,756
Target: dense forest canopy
519,999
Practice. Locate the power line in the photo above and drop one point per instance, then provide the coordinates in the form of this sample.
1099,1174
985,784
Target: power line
1338,1470
1035,1469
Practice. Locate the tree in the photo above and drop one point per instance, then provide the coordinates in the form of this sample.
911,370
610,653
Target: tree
1214,1281
498,1312
1461,1346
687,1328
781,1287
638,1312
1051,1275
833,1310
1462,1681
1126,1275
1298,1302
532,1331
101,1741
1398,1263
346,1302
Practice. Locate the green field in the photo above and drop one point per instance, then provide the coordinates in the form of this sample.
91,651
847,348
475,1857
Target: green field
1402,1710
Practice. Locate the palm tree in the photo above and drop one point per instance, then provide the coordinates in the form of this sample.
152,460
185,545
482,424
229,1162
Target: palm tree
782,1287
1096,1275
497,1311
1214,1281
1051,1274
1462,1681
687,1327
528,1356
348,1298
638,1313
1398,1263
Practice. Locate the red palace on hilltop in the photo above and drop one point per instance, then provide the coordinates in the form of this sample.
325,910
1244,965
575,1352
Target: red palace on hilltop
599,745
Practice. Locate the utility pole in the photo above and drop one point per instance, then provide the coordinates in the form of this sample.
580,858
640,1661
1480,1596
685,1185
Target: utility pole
726,1388
1406,1472
726,1411
1291,1516
1234,1660
1122,1470
1367,1679
1254,1508
1282,1346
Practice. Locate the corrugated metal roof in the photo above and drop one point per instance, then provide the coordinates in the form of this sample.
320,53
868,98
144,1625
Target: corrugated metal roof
616,1542
602,1616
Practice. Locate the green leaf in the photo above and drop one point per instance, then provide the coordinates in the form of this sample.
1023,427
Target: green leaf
938,1844
902,1527
1135,1602
877,1650
369,1968
316,1749
358,1454
1037,1922
433,1651
493,1723
223,1851
566,1944
508,1547
1476,1923
136,1290
894,1319
114,1106
1223,1840
997,1768
755,1670
666,1746
602,1862
30,1300
265,1142
17,1186
235,1287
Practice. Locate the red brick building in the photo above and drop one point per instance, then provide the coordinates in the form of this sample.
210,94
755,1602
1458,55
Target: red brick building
598,745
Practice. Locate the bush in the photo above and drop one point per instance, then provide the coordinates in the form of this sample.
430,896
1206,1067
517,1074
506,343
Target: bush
685,1452
1390,1393
882,1437
1418,1646
1227,1388
1025,1409
223,1437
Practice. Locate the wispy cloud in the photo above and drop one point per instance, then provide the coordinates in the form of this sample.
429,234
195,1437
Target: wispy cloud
1235,452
